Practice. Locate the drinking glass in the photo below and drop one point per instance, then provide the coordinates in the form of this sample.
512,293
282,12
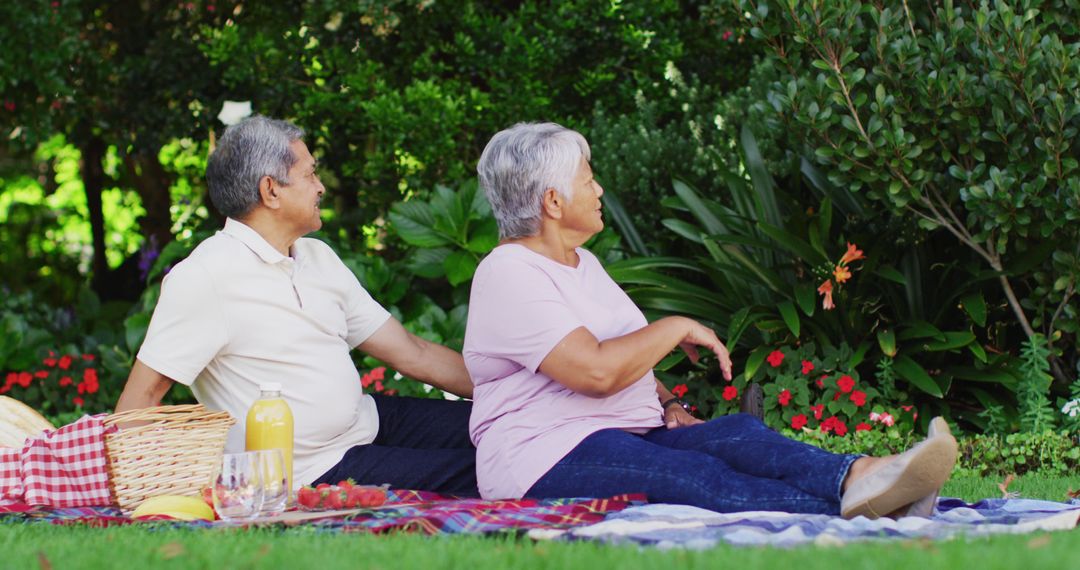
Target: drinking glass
275,482
238,488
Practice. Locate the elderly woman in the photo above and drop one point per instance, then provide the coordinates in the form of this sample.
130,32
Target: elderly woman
565,401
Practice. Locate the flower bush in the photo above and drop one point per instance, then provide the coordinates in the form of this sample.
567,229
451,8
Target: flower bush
805,392
62,384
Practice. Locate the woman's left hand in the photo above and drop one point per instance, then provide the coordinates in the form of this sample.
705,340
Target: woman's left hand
676,417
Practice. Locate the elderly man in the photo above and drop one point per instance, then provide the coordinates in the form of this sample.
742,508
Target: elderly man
258,303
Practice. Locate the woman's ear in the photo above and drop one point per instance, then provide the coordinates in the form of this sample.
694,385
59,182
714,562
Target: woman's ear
553,203
269,193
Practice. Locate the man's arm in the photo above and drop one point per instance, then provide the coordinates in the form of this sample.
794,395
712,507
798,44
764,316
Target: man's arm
417,358
144,389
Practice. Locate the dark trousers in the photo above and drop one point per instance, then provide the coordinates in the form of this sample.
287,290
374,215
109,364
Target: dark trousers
422,444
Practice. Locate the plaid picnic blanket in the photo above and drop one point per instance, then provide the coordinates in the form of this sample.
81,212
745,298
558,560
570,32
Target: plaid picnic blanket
65,467
671,526
407,511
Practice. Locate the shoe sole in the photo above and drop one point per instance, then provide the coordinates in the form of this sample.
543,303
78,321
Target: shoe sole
924,474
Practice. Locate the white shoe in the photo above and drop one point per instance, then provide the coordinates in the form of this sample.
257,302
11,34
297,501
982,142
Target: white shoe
924,507
913,476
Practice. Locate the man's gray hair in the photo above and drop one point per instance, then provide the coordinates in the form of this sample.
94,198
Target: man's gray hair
522,162
249,150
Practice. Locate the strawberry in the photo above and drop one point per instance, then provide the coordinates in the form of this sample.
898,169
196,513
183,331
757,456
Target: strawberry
308,497
335,499
355,497
346,484
322,486
376,496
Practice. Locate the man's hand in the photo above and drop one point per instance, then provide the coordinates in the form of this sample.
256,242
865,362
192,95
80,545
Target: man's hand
677,417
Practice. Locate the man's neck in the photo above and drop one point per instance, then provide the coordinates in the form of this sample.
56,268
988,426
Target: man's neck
278,237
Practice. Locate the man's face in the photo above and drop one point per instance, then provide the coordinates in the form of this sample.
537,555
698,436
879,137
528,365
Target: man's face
301,196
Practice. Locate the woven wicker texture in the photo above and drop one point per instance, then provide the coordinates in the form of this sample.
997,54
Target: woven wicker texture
174,454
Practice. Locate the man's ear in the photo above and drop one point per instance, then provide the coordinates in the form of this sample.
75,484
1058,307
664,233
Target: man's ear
553,203
269,193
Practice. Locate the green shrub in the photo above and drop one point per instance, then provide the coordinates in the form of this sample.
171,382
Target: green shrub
1046,453
958,116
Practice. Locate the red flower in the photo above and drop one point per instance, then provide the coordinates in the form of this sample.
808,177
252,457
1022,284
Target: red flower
821,381
50,362
679,390
730,393
775,358
841,428
65,362
378,386
66,381
90,375
41,374
88,357
9,105
799,421
853,253
77,401
378,373
784,398
818,410
858,397
24,379
863,427
826,290
845,383
726,35
366,380
807,367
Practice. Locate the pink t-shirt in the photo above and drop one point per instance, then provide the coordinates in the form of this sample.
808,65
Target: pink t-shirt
523,422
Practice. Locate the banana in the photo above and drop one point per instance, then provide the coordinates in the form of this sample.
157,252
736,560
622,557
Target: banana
176,506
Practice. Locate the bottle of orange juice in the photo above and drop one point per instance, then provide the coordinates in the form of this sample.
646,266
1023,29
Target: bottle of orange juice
270,425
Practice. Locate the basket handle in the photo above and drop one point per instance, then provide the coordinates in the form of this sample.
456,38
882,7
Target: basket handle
168,414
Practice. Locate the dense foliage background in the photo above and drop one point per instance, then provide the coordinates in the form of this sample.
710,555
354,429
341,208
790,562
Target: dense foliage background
877,206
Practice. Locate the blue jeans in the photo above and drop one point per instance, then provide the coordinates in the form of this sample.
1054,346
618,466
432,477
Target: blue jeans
421,444
729,464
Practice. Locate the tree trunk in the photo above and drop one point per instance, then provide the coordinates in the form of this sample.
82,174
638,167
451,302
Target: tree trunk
93,175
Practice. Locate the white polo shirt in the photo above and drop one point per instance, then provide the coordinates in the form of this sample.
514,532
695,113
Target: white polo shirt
237,313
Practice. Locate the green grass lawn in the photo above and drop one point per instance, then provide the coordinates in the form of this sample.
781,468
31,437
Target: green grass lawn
43,546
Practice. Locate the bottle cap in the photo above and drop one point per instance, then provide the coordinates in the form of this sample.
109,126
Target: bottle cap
270,387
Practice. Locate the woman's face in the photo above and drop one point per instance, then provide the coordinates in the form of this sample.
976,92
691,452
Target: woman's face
583,212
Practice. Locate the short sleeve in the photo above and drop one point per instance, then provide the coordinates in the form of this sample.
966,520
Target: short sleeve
363,314
517,312
188,327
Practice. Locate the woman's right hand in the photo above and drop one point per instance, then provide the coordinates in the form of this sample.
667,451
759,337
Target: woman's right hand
701,335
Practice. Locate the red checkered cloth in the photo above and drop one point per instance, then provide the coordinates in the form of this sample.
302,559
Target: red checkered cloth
62,468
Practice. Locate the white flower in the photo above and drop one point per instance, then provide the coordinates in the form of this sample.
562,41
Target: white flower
233,112
1072,408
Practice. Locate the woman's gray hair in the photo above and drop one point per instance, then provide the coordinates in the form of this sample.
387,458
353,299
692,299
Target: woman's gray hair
249,150
519,164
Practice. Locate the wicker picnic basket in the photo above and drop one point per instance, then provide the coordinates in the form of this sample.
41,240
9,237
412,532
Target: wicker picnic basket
174,454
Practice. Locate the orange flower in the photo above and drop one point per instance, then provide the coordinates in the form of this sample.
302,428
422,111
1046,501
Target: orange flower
841,274
853,254
826,289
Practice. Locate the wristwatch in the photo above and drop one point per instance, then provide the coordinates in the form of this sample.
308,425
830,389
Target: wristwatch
676,401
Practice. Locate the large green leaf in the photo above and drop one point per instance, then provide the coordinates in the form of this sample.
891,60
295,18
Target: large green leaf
683,229
754,361
768,211
975,306
459,267
920,329
698,208
916,375
952,341
790,316
788,241
623,223
887,341
414,222
654,263
806,297
428,262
